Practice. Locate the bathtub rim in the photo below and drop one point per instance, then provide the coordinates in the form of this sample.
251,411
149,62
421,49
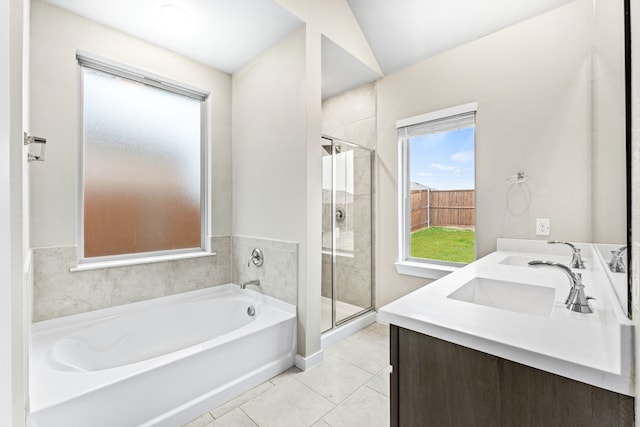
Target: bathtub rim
118,310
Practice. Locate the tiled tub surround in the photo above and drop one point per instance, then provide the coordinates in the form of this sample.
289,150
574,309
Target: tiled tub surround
100,368
278,274
59,292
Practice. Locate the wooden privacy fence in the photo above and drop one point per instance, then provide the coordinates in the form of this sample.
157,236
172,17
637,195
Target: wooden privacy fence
443,208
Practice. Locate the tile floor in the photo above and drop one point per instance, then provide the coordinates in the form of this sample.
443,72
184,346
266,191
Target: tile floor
349,388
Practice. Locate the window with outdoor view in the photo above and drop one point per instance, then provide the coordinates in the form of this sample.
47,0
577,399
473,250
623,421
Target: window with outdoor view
142,169
438,186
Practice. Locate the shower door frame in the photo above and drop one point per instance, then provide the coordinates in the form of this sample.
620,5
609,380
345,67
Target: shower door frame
334,322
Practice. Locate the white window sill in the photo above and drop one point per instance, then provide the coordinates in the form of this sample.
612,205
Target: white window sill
423,269
85,266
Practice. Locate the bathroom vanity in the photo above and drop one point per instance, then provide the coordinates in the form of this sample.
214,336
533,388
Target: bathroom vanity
438,383
493,344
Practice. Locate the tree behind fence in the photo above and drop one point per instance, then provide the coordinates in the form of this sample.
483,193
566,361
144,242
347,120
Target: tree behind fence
442,208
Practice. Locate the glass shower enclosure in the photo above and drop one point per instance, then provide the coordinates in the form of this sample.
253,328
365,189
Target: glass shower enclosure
347,232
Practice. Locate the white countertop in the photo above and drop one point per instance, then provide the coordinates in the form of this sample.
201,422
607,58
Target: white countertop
594,348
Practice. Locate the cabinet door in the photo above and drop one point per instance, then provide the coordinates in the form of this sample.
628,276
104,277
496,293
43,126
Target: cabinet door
437,383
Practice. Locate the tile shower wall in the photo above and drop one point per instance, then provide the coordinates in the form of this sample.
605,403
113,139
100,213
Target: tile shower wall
351,116
58,292
278,274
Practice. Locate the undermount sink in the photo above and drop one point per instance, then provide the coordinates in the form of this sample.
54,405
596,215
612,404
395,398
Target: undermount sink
523,261
516,297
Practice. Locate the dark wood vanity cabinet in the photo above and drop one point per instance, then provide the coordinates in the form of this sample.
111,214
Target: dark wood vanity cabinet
437,383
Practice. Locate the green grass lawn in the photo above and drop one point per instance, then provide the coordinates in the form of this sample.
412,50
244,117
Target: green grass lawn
444,244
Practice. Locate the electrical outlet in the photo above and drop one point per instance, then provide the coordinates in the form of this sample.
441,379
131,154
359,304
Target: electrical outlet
543,227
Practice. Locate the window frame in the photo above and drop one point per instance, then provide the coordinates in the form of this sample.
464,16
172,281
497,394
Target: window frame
88,60
406,264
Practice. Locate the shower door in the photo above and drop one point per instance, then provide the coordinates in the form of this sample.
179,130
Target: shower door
347,252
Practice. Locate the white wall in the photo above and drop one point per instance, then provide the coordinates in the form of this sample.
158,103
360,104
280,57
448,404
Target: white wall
269,176
533,85
56,36
13,247
309,295
270,156
6,384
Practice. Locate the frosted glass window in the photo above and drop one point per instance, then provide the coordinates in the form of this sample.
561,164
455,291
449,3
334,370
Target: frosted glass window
142,169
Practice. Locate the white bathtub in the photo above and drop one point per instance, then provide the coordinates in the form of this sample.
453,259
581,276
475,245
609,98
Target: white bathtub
158,362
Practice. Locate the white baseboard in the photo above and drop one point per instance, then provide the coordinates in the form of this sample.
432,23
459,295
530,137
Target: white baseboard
305,363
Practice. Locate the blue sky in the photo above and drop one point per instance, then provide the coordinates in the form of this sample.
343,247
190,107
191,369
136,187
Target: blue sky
444,161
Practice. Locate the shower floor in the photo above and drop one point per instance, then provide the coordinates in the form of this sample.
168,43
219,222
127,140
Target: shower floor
343,310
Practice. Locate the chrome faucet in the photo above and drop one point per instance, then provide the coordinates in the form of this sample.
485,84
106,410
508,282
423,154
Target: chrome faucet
617,261
576,301
250,282
576,258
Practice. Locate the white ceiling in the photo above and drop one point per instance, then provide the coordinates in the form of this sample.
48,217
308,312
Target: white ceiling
341,71
224,34
227,34
404,32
